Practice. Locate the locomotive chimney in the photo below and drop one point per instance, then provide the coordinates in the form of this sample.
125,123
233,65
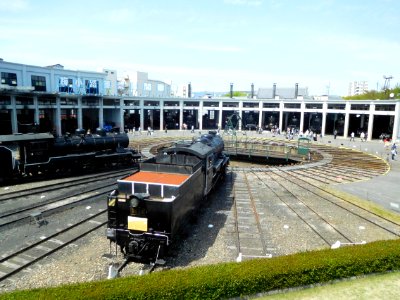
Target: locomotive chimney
296,91
274,91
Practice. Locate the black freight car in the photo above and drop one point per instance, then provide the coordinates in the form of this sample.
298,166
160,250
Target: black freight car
153,204
41,153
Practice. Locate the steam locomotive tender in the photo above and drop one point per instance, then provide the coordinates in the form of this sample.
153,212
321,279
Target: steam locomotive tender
40,153
153,204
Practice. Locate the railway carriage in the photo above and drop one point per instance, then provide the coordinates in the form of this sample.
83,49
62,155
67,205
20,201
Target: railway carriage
152,205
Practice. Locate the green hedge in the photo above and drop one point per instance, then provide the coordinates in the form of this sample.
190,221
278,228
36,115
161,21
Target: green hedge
235,279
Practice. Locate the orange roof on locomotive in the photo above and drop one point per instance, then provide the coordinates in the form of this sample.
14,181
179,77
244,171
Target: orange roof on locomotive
157,177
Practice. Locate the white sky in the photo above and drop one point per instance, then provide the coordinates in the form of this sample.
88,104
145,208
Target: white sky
211,43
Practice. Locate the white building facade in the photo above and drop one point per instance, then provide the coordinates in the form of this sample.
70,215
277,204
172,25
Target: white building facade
60,101
357,88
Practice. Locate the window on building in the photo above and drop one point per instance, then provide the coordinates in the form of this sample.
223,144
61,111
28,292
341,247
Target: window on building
151,103
360,107
250,104
230,104
111,102
65,85
337,106
270,105
292,105
385,107
147,86
5,100
211,104
9,78
171,103
46,101
313,105
92,87
131,102
39,83
24,101
160,87
191,103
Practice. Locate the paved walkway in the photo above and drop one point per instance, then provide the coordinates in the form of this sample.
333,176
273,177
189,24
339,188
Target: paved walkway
383,190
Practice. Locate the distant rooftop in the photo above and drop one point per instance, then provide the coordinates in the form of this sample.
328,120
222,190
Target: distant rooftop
283,93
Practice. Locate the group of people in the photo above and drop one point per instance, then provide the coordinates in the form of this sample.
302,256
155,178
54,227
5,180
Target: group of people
362,136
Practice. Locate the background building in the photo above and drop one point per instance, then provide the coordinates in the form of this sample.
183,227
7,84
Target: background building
357,88
52,99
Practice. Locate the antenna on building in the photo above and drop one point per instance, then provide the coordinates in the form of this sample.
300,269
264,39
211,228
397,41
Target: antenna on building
386,86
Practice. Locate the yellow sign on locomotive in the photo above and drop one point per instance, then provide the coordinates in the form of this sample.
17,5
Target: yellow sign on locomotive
135,223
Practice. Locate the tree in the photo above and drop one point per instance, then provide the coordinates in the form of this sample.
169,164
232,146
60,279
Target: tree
236,94
372,95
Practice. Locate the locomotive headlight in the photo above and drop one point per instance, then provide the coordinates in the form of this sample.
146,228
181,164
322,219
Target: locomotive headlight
134,202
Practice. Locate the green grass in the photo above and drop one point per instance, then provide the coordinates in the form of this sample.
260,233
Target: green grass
380,286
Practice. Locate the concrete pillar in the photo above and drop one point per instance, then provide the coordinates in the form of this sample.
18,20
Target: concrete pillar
281,106
141,118
14,118
121,115
36,117
370,126
240,114
396,122
219,111
346,120
324,116
162,127
101,113
302,108
323,125
260,113
180,116
80,123
200,115
58,117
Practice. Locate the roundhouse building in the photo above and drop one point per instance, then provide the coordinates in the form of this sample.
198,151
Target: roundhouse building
58,100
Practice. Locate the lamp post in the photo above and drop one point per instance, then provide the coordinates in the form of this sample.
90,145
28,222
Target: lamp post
231,90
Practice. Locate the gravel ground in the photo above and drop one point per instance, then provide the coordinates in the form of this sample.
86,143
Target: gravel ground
210,240
88,259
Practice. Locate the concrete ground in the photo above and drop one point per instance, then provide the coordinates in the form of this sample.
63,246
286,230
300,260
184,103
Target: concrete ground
383,190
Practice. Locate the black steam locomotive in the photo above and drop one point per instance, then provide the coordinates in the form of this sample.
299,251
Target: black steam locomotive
42,153
153,204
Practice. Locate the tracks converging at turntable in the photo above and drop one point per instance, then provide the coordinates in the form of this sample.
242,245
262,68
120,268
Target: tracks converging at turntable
281,210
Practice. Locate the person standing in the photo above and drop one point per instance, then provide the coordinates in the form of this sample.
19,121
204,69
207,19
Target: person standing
352,136
334,134
362,136
394,153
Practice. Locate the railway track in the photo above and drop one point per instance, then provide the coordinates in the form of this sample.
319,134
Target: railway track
18,191
18,211
350,208
278,211
272,209
19,260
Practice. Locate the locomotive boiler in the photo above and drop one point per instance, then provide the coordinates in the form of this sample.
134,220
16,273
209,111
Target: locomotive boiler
41,153
154,203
